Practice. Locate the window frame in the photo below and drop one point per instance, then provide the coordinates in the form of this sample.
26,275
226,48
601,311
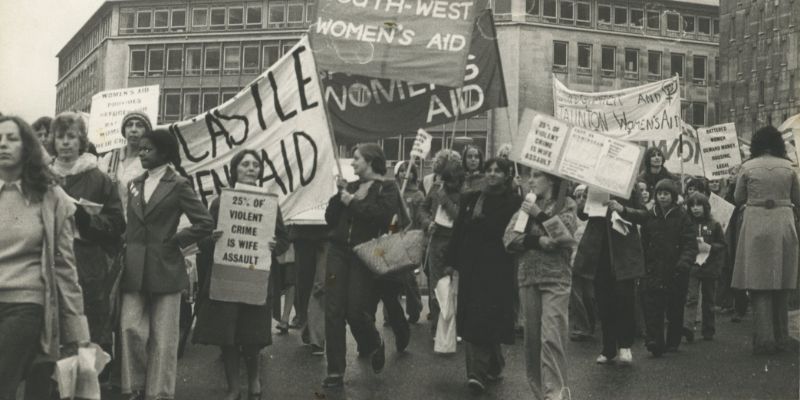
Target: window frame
165,27
627,16
588,9
699,24
590,47
275,45
693,24
648,14
217,27
695,80
170,51
186,113
212,71
245,68
199,68
172,25
143,70
566,55
631,19
204,108
635,52
536,8
650,64
165,112
225,69
150,70
129,30
274,5
204,25
247,23
149,27
704,113
561,16
672,71
610,14
603,50
296,5
228,14
675,15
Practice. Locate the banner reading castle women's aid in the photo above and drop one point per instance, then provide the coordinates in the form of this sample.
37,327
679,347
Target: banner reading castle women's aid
280,115
110,106
556,147
719,148
646,112
242,256
424,41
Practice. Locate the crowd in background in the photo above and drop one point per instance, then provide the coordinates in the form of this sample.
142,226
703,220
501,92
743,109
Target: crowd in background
97,256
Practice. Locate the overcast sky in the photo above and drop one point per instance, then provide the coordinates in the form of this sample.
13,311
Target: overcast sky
31,33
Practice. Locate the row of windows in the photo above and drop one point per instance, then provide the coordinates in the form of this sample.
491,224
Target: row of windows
764,21
183,104
608,62
87,43
206,58
281,14
81,85
762,90
580,13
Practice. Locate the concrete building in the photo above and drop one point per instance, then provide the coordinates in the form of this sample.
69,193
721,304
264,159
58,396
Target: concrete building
202,52
760,42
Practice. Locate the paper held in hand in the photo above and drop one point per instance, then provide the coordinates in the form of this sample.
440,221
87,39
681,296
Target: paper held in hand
596,203
523,217
703,251
557,231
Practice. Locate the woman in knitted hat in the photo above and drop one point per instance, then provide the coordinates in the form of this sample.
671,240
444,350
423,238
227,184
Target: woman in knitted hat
123,165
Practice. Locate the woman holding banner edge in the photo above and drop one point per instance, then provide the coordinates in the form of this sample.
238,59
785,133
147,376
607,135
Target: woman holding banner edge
239,329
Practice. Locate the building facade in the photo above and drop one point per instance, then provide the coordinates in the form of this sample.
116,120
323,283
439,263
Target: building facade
203,52
760,40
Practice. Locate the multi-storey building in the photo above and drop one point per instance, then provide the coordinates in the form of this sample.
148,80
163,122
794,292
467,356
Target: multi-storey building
760,42
202,52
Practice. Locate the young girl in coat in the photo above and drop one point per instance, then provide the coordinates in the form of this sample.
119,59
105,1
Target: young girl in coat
670,248
703,275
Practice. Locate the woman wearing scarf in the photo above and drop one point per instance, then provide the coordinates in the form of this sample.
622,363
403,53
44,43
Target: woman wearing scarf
486,294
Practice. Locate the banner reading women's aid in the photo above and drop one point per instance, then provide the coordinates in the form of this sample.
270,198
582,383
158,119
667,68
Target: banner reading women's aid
424,41
647,112
280,115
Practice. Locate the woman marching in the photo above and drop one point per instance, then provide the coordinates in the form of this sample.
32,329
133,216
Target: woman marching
485,316
544,278
41,303
239,329
155,273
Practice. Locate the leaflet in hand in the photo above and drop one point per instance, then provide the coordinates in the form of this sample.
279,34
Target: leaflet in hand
704,250
523,217
557,231
596,203
619,224
442,218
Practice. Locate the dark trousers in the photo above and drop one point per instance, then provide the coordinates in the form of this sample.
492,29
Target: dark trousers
389,292
615,304
21,326
483,360
413,297
582,306
668,301
728,297
305,260
703,288
349,298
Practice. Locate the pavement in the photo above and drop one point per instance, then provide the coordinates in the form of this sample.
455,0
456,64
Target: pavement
720,369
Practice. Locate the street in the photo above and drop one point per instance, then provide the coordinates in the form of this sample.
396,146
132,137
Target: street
720,369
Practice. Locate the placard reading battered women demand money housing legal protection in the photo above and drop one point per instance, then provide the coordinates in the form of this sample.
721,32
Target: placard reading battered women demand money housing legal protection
242,256
720,150
559,148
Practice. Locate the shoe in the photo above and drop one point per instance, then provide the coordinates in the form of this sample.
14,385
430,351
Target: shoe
654,349
379,358
689,335
305,336
317,350
296,323
602,359
413,318
401,340
283,327
475,385
333,381
625,356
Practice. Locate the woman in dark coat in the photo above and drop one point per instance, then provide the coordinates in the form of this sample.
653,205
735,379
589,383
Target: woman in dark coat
237,328
654,170
99,232
486,291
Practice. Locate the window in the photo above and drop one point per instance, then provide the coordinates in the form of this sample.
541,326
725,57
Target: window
704,26
549,8
144,20
127,21
235,17
232,60
212,60
391,147
567,11
277,13
295,13
199,17
193,65
178,20
210,100
688,24
502,6
532,7
637,18
138,62
608,54
227,96
309,11
560,54
631,60
584,55
287,46
654,64
716,69
250,64
161,21
676,64
760,92
174,61
584,13
172,105
253,16
699,114
604,14
699,70
191,104
620,16
673,22
271,54
716,27
653,20
156,65
217,18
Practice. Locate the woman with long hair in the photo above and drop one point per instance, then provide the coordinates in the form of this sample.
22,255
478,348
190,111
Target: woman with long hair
241,330
155,273
767,250
41,303
472,161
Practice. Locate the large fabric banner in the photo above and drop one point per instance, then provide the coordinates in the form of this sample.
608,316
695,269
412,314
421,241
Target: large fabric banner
108,108
364,108
281,116
647,112
559,148
423,41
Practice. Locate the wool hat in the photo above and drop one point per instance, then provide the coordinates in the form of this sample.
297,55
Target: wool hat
136,115
668,185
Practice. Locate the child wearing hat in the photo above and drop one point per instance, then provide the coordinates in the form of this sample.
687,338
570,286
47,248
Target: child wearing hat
670,248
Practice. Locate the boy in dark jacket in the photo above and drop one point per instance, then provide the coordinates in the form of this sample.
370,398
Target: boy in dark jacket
703,276
670,248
